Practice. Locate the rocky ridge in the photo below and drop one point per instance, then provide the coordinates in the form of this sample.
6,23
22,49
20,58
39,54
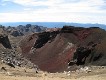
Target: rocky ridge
53,50
11,54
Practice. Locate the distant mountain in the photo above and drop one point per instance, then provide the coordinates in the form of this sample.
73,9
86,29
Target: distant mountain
21,30
54,24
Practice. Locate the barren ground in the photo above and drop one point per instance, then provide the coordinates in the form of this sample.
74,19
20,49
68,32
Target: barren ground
96,73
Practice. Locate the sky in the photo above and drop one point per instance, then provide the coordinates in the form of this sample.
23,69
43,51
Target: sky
79,11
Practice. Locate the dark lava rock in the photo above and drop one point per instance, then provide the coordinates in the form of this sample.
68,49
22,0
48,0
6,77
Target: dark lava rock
5,41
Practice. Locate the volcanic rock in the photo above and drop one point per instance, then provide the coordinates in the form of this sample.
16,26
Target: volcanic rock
53,51
5,41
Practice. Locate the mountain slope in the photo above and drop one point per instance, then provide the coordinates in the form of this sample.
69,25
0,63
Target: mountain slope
57,50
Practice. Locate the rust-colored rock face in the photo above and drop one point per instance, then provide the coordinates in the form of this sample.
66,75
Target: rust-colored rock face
53,51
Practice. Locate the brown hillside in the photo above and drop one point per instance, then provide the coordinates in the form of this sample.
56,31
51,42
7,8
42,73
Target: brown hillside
56,50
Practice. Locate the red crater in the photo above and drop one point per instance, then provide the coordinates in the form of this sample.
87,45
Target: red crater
53,50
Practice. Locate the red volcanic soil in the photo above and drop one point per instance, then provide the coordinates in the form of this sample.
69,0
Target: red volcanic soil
53,50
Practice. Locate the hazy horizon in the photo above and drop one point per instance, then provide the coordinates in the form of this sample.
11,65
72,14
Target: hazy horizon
52,24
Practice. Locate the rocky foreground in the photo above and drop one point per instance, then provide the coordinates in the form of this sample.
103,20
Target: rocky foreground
86,73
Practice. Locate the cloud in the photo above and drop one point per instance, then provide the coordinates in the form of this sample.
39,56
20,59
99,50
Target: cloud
85,11
66,5
53,17
28,2
10,7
